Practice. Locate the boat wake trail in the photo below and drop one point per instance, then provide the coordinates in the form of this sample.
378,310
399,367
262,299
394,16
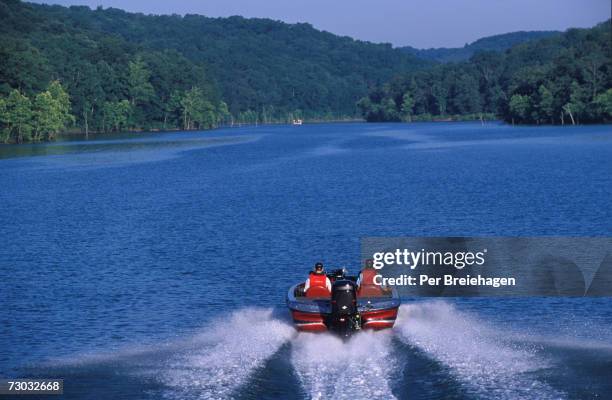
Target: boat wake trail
331,368
481,358
223,358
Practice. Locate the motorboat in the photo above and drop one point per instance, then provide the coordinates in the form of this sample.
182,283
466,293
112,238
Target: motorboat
347,309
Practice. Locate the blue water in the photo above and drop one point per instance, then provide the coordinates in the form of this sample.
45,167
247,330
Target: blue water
155,266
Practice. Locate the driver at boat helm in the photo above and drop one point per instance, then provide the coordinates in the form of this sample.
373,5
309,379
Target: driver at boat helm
317,277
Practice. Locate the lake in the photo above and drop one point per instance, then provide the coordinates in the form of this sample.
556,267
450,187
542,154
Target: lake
155,266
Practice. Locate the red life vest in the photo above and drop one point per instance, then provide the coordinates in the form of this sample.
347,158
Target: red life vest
367,288
367,276
317,279
318,285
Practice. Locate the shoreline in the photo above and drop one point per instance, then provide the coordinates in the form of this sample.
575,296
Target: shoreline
79,135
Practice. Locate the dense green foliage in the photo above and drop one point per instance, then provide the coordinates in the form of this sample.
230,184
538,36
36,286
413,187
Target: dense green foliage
41,118
112,84
561,79
108,70
135,71
497,43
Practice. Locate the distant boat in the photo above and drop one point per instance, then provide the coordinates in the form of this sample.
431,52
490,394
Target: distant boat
297,122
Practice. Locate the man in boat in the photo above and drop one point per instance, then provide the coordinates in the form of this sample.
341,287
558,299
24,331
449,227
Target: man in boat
367,274
365,282
317,279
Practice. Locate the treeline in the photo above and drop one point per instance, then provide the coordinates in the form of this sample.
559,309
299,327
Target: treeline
124,71
40,118
557,80
498,43
111,84
140,72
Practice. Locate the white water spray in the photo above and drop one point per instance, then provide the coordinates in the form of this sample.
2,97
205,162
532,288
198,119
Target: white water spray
361,368
479,356
223,359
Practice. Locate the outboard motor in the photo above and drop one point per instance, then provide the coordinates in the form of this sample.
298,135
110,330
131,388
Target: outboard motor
345,318
337,274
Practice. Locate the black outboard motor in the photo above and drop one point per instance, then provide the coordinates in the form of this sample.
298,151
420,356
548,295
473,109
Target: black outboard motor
344,318
337,274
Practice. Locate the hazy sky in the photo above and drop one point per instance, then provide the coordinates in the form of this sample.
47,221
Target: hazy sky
418,23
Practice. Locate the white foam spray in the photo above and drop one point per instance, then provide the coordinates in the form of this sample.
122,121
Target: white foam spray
479,356
223,358
328,368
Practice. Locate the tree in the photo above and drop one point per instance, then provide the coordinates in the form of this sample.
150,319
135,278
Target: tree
407,107
592,64
206,119
466,95
61,109
22,120
577,104
197,111
51,112
3,120
22,66
42,112
388,109
17,118
439,91
88,92
140,89
223,113
603,105
546,104
141,92
519,107
190,103
365,106
116,115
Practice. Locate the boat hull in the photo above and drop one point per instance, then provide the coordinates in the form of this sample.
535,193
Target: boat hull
313,315
309,322
379,319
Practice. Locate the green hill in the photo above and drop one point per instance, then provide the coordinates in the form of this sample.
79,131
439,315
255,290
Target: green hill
262,69
564,78
490,43
109,70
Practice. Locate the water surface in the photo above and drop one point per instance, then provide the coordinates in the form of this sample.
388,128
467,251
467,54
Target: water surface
155,266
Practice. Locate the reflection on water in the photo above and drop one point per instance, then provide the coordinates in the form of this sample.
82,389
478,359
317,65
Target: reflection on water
124,149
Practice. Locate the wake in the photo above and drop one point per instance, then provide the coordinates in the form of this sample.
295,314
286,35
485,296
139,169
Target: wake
329,368
224,358
221,360
480,357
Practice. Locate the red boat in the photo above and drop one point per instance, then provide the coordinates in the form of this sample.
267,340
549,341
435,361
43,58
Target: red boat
347,309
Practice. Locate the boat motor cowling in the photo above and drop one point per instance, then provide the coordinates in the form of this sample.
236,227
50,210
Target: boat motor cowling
344,298
345,318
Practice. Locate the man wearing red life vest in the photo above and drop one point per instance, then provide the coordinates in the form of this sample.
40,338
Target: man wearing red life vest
365,282
319,280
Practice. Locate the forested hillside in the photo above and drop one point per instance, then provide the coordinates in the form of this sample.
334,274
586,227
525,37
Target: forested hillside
561,79
107,70
133,71
490,43
112,84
